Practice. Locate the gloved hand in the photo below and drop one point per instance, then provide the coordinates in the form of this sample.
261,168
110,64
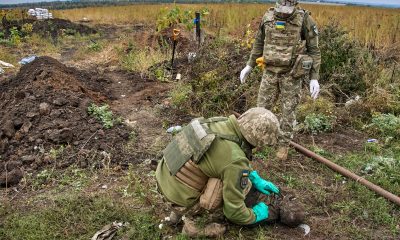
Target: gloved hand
244,73
262,185
314,88
261,211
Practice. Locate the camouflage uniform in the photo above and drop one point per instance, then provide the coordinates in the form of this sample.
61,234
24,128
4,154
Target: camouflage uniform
280,47
225,159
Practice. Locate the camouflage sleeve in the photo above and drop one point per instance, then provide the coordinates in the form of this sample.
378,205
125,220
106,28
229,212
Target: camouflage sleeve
233,194
258,45
310,33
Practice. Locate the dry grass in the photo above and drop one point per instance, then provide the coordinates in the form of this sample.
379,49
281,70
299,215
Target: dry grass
371,26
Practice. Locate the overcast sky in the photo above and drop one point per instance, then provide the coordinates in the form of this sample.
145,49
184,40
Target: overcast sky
397,2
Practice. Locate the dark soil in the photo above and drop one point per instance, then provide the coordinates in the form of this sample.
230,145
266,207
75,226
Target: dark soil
44,107
49,28
343,140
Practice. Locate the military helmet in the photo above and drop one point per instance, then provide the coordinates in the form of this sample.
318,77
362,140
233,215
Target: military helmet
260,127
287,2
285,8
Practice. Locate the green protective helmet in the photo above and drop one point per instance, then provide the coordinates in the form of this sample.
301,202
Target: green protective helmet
285,8
259,127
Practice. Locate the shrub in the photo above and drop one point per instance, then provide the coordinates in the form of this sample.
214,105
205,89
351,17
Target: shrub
340,62
320,105
387,125
176,15
27,29
214,80
316,123
15,36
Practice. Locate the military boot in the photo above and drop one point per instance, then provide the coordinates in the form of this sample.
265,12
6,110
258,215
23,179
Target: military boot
282,153
211,230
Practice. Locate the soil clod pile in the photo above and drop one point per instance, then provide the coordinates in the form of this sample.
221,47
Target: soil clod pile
48,28
44,120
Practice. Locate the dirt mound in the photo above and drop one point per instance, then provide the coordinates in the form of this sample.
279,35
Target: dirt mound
44,120
48,28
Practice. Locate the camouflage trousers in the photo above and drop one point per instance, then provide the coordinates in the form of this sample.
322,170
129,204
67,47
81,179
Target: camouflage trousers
285,209
198,214
288,89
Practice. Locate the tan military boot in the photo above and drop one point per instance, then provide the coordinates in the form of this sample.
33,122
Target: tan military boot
282,153
214,230
211,230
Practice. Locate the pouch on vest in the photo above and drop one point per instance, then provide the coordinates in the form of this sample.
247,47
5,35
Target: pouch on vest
212,196
302,66
191,143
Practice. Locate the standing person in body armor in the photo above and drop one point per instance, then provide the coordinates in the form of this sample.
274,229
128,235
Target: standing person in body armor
287,43
206,168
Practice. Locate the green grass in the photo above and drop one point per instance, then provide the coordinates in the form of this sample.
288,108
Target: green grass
77,217
351,209
75,207
364,206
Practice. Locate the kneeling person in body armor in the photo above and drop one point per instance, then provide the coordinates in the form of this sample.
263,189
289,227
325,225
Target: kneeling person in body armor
207,167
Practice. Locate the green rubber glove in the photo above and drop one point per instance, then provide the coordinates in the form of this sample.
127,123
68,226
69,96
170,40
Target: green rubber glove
261,211
262,185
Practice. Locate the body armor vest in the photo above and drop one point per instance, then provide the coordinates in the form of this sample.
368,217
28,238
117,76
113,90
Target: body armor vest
193,141
283,40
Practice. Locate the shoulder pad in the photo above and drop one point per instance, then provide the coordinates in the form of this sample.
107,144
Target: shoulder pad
269,15
304,11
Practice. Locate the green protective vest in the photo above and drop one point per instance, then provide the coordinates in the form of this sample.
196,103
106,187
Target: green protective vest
283,40
193,141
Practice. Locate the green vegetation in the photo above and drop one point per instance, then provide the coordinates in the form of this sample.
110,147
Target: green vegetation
72,205
176,15
77,217
15,37
316,123
386,125
180,94
56,152
95,47
104,115
141,60
349,69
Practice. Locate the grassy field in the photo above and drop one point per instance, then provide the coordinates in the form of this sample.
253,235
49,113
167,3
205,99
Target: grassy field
75,202
372,26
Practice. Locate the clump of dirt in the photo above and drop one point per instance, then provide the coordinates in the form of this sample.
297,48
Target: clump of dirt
44,120
48,28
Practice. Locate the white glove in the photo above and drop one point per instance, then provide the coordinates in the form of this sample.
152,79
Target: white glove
244,73
314,88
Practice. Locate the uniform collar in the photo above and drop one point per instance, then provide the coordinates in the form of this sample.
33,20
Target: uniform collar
244,144
233,121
